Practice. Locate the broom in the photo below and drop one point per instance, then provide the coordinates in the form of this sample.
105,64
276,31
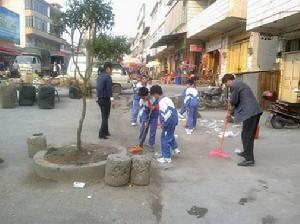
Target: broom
140,147
219,152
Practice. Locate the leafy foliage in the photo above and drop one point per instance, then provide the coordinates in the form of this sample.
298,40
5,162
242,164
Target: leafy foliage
108,47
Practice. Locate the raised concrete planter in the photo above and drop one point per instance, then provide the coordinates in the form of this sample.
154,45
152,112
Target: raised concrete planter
58,172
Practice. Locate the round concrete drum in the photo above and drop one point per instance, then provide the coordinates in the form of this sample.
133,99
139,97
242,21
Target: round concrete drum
140,170
36,143
117,170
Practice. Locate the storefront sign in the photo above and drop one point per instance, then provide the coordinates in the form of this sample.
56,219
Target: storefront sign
195,48
9,26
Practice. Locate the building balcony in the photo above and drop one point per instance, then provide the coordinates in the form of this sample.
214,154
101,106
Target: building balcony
44,35
29,12
220,17
273,17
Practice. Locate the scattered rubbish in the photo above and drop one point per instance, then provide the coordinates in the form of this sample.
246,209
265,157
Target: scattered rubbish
237,151
228,134
89,197
78,184
176,136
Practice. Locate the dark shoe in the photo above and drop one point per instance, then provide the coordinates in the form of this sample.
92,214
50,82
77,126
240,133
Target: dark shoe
108,134
103,137
247,163
241,154
1,160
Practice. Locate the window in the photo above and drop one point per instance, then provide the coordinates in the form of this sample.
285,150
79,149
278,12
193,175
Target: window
39,6
36,23
293,45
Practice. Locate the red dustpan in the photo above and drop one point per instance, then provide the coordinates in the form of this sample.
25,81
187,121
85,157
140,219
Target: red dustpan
220,152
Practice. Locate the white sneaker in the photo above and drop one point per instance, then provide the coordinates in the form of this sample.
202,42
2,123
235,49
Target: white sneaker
164,160
189,131
133,124
177,151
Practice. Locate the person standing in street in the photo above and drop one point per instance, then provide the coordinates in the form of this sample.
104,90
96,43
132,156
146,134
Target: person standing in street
246,109
105,99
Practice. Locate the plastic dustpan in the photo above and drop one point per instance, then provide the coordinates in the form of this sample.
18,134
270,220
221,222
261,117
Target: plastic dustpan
136,149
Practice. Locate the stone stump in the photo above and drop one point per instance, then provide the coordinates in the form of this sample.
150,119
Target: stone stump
8,96
140,170
36,143
179,101
117,170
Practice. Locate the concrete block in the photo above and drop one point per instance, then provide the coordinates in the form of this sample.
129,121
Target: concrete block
117,170
8,96
140,170
36,143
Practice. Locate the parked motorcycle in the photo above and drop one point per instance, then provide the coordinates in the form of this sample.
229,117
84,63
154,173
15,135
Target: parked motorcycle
282,114
214,97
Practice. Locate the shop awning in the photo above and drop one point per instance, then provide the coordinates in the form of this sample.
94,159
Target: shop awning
10,49
168,39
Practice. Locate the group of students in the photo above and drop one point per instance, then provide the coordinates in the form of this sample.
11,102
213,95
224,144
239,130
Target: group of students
151,106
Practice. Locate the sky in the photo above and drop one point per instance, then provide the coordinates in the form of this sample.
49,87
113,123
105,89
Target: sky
126,13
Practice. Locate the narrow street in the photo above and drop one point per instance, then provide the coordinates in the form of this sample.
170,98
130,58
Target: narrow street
195,188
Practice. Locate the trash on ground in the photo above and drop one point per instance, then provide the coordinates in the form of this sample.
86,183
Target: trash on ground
78,184
237,151
216,128
228,134
89,197
176,136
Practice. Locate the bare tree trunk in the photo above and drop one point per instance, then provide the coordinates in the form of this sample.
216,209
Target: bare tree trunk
83,113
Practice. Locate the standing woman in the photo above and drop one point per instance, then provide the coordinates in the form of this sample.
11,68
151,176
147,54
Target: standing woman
105,99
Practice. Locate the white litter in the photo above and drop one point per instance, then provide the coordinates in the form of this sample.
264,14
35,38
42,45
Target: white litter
89,197
176,136
78,184
237,151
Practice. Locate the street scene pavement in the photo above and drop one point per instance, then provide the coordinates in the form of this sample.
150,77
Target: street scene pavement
194,188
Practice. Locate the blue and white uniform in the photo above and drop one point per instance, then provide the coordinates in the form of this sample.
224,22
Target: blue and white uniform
136,101
191,103
169,120
145,108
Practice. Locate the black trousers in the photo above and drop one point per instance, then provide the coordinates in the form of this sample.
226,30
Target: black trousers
248,135
105,105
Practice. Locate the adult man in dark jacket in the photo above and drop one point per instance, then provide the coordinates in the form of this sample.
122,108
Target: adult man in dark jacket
247,110
105,99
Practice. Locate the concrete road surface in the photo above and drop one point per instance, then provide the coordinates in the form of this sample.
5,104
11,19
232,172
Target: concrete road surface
195,188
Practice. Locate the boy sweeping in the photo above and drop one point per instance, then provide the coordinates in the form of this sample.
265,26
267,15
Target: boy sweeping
169,120
191,104
148,116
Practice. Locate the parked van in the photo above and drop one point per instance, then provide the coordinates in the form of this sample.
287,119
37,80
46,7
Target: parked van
120,78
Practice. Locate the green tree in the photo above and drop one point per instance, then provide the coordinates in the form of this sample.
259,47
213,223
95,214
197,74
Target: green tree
83,21
108,47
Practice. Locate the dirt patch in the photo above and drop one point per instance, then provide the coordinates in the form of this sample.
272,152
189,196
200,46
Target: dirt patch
268,220
68,155
197,211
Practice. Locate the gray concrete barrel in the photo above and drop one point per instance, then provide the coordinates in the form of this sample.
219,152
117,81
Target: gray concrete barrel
8,95
36,143
117,170
140,170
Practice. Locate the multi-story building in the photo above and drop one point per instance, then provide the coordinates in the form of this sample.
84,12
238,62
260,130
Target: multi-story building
280,18
169,38
36,23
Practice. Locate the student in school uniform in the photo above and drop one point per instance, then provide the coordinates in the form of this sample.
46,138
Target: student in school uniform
169,120
148,116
